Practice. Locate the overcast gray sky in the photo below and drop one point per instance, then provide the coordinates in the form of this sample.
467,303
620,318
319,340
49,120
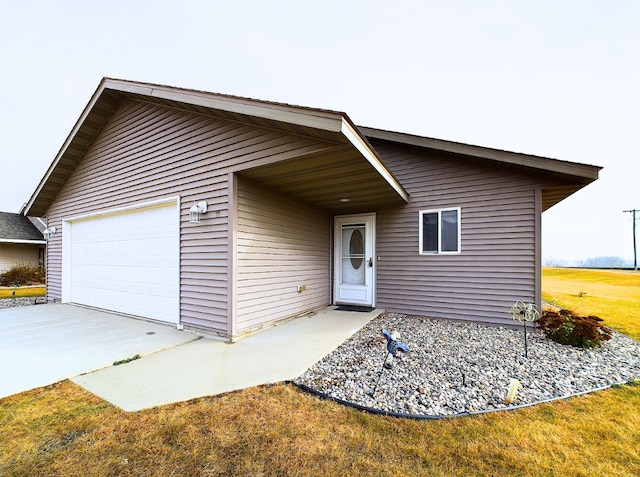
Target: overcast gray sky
554,78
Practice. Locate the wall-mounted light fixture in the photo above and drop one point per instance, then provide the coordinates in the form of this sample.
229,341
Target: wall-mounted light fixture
48,232
195,211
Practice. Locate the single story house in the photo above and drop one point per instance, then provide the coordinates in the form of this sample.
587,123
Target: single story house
20,242
223,214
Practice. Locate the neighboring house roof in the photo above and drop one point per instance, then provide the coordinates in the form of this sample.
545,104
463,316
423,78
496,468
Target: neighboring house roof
16,228
348,153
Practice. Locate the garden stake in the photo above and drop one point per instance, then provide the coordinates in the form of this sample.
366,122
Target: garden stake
524,312
373,393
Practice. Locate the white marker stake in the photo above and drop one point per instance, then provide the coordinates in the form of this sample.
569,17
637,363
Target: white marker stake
513,390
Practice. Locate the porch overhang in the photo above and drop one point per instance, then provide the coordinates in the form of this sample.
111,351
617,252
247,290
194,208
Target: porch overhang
347,167
344,178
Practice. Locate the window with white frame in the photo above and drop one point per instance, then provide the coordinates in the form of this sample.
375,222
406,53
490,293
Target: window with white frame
440,231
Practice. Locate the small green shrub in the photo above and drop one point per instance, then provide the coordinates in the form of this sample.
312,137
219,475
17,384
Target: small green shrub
23,274
128,360
569,328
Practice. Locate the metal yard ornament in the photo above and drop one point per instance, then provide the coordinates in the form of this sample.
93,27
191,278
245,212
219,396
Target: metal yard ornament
392,349
392,343
524,313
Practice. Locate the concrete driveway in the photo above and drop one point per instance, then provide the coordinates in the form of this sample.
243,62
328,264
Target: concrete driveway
43,344
40,345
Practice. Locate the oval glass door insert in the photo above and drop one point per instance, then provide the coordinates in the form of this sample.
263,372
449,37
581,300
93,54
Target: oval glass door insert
356,249
353,254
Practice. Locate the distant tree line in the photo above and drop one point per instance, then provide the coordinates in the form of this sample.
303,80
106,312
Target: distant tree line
594,262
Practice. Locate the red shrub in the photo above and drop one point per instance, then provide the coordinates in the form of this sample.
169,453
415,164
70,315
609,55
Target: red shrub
567,327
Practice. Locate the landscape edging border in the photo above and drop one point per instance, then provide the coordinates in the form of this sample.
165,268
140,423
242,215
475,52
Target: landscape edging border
430,417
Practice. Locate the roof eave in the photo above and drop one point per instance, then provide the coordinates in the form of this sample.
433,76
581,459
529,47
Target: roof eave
583,173
30,209
21,241
328,121
360,143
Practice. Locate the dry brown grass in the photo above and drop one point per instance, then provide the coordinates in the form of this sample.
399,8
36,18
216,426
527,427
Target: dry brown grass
23,274
279,431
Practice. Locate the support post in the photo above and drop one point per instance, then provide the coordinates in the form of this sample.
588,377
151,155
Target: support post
635,256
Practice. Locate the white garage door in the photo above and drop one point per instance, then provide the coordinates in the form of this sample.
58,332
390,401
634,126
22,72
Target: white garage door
126,262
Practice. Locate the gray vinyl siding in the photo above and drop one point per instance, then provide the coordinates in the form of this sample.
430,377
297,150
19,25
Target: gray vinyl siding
280,244
146,152
498,260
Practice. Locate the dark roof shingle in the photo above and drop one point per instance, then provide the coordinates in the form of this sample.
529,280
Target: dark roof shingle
17,227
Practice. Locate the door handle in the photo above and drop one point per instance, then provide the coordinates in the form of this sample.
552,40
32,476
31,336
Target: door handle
371,262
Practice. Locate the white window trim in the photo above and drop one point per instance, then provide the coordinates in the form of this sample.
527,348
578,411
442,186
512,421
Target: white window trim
439,212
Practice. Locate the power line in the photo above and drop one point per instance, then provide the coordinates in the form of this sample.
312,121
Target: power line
635,260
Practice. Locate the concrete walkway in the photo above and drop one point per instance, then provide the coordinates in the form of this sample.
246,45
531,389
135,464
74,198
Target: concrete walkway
43,344
207,367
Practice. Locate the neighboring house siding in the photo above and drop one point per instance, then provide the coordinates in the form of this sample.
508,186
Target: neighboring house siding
18,254
497,265
146,152
280,244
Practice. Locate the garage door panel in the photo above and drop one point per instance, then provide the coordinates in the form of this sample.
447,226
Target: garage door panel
154,306
128,262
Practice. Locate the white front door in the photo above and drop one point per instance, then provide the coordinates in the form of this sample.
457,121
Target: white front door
354,250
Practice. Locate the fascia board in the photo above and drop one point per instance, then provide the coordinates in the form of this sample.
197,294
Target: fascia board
288,115
361,145
35,242
584,171
128,87
87,110
315,118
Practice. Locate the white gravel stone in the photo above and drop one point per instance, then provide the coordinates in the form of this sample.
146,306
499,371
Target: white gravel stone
22,301
464,367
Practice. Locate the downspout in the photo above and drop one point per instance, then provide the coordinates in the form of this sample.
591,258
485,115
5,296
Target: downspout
179,325
232,256
46,260
538,248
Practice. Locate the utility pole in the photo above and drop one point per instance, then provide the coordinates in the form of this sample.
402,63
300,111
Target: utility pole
635,260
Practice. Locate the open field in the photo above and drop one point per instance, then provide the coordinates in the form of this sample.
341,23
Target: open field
613,295
279,431
12,292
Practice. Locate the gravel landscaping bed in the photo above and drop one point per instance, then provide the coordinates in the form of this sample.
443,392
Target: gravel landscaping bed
459,368
22,301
